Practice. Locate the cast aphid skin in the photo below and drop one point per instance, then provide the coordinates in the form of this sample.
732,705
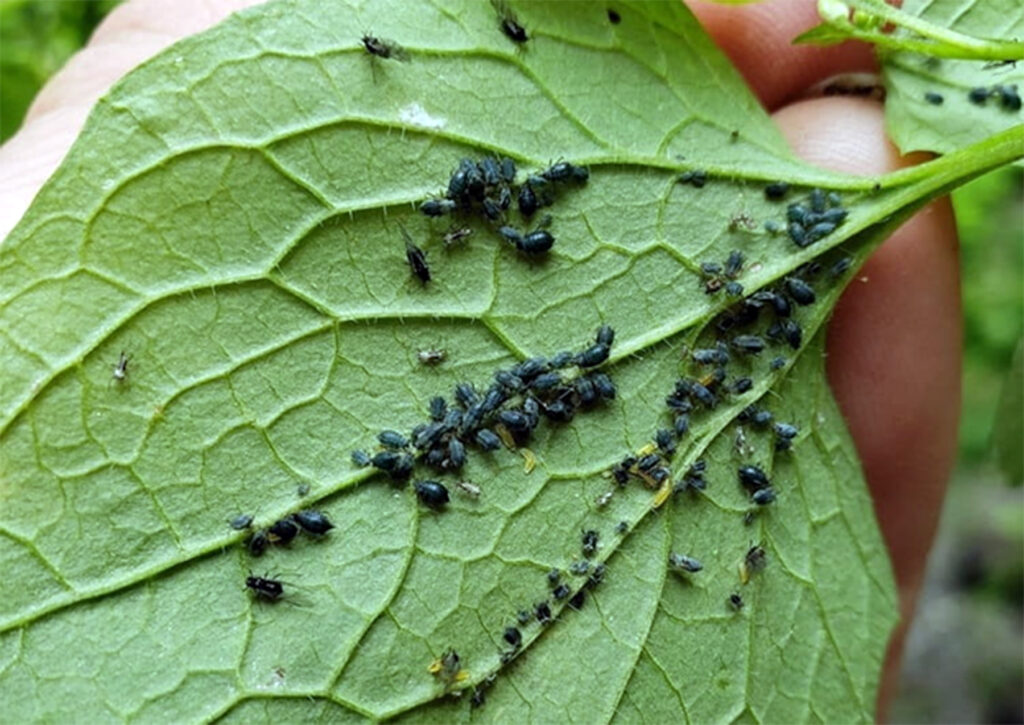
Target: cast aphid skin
431,494
448,668
264,589
313,522
432,356
604,499
242,521
468,489
120,372
681,562
382,48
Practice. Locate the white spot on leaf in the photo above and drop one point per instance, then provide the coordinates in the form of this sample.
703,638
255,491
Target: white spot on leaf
416,115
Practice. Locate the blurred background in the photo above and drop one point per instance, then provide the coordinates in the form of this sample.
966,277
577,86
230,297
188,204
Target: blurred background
964,660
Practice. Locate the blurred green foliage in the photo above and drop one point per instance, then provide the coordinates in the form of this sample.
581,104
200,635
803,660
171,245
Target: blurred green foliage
38,36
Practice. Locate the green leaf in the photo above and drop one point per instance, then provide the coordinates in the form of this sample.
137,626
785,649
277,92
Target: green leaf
229,218
913,27
915,124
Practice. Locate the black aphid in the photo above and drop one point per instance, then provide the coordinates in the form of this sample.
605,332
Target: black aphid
283,531
513,636
242,521
543,612
466,395
613,17
787,431
416,258
265,589
487,439
665,441
681,424
681,562
590,539
313,522
749,344
361,458
841,267
1008,97
776,190
978,96
742,385
554,577
527,200
560,592
799,235
392,439
596,577
696,178
817,199
934,98
734,289
753,477
456,454
523,616
603,385
578,599
508,22
734,264
622,528
593,355
382,48
438,407
536,242
703,395
800,291
772,227
431,493
438,207
735,601
648,462
257,543
763,496
755,560
777,363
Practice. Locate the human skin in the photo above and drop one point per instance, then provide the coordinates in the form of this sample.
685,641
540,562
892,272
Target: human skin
894,343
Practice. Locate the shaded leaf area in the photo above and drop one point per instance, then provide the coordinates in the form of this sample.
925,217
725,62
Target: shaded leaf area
929,102
230,220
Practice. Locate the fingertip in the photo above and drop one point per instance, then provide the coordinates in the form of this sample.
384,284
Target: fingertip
758,39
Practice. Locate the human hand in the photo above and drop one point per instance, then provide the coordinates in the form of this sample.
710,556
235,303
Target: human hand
894,343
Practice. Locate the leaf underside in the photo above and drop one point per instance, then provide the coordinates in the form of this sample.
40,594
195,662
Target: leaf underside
230,218
915,124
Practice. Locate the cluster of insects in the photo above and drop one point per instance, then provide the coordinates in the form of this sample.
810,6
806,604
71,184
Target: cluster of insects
506,413
487,188
812,220
283,531
1008,97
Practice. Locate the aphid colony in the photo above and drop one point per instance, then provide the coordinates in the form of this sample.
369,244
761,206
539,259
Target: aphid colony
1009,98
542,613
815,218
507,412
487,188
283,531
